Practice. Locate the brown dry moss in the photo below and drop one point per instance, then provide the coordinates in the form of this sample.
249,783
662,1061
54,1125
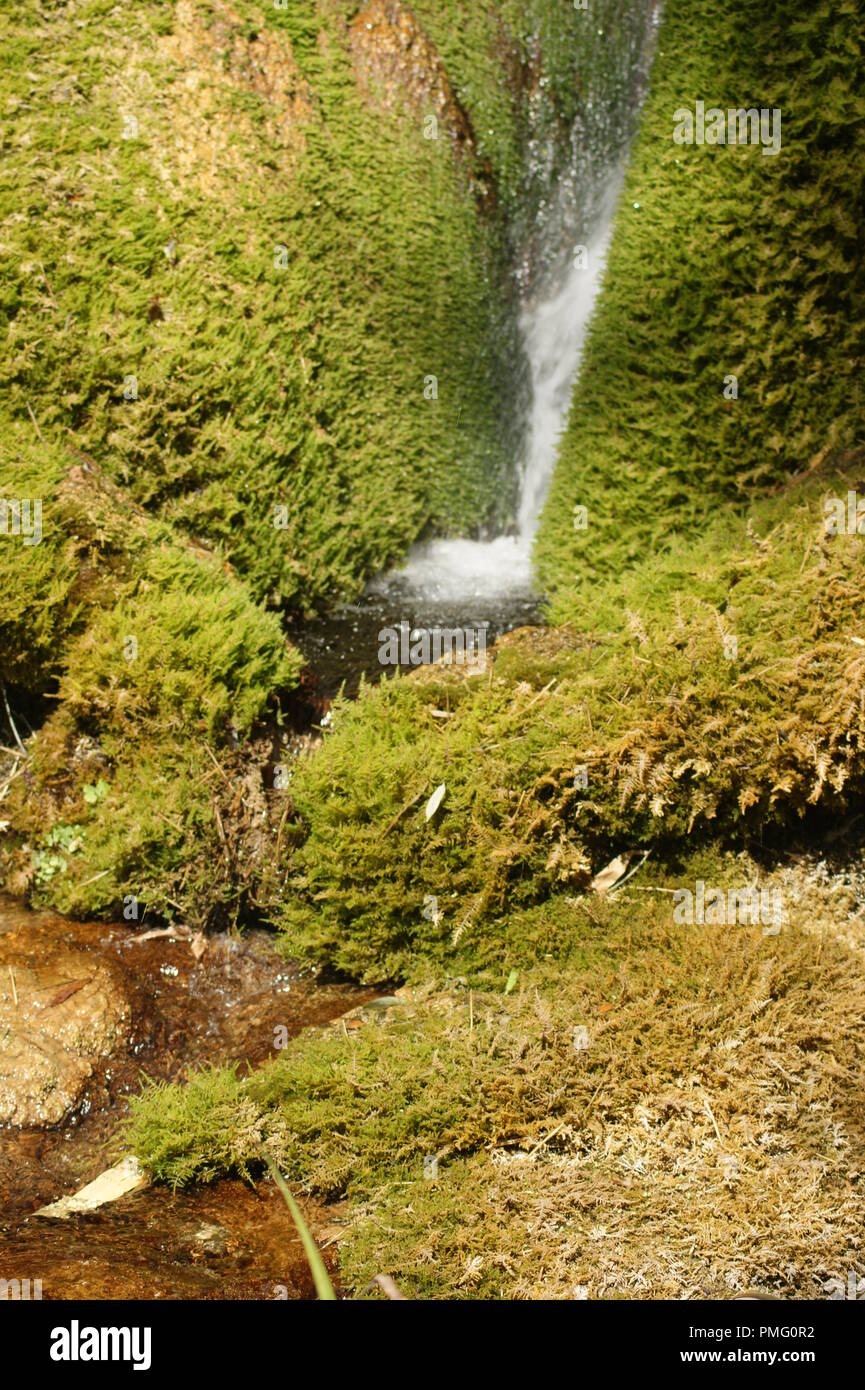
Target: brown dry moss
707,1138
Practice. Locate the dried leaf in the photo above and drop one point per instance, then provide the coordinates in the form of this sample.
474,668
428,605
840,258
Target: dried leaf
66,991
616,868
115,1182
435,801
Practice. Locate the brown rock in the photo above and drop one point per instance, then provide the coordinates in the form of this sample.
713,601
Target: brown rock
57,1020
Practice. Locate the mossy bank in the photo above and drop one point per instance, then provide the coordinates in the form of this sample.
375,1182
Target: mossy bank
258,279
576,1061
573,1097
706,678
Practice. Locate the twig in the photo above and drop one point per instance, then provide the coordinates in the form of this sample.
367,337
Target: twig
94,879
545,1139
712,1118
11,720
14,990
578,902
181,933
407,807
638,889
35,423
16,772
547,687
333,1239
282,821
218,767
598,1088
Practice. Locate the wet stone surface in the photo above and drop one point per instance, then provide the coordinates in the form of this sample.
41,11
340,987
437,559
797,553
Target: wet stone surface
96,1007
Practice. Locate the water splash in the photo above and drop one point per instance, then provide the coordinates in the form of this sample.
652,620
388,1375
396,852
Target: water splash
450,571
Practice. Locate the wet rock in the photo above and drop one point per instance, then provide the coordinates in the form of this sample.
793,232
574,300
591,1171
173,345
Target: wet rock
398,66
211,1240
57,1018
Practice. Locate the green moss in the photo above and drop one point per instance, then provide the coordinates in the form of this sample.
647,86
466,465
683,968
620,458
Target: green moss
706,679
538,1141
723,262
151,652
343,1106
232,263
259,386
677,733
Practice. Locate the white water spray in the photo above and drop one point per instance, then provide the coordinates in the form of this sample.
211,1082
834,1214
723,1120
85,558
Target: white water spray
554,329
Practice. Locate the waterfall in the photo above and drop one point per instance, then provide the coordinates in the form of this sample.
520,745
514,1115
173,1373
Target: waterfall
554,331
471,584
553,325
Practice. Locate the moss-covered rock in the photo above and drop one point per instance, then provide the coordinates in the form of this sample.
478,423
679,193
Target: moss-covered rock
726,262
730,699
151,652
234,263
260,327
582,1063
707,676
260,330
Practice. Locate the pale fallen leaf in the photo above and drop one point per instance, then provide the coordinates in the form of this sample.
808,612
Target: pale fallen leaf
435,801
388,1287
115,1182
616,868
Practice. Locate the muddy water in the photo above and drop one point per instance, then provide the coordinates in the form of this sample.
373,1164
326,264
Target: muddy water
224,1241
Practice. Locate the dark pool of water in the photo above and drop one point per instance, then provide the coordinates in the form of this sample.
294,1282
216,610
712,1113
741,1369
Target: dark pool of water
346,643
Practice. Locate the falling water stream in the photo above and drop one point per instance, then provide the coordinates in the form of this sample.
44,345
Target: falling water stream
472,584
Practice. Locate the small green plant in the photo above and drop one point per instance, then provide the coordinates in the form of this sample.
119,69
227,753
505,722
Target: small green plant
95,793
320,1276
48,862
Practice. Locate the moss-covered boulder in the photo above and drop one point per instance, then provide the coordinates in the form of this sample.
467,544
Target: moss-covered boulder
728,700
706,677
148,653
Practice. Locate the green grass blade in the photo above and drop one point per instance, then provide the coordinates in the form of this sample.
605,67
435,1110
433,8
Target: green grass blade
320,1276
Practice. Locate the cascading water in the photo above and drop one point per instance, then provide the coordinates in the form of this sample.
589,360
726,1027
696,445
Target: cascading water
448,572
472,584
